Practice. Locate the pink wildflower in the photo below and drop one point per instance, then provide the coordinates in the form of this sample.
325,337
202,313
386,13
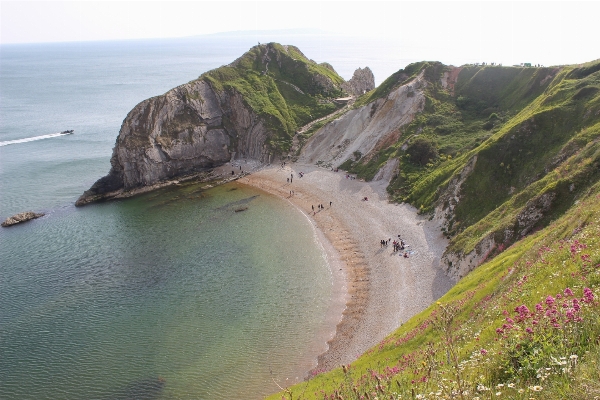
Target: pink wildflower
568,292
539,307
588,294
484,351
529,330
549,301
576,305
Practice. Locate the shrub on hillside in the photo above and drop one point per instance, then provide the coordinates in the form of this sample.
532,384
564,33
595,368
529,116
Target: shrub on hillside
422,151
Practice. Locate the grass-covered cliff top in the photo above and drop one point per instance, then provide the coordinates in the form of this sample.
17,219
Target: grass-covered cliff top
513,154
282,86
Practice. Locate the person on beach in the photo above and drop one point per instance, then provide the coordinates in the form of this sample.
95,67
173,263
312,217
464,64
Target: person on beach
313,207
330,203
288,180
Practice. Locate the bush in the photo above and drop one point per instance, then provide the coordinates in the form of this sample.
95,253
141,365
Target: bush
422,151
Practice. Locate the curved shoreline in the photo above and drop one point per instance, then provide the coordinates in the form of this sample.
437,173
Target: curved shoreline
382,289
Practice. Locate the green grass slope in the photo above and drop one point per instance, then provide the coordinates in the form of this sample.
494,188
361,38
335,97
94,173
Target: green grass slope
523,325
282,86
522,148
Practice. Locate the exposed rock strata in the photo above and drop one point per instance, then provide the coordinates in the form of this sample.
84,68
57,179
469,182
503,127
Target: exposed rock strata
457,265
362,129
190,129
20,218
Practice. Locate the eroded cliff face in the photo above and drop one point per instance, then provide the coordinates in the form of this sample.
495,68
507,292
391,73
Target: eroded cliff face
366,129
190,129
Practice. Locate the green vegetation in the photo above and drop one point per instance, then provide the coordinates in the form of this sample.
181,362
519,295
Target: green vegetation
282,86
523,325
520,149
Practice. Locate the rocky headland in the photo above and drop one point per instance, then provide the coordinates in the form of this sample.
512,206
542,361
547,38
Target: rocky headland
249,109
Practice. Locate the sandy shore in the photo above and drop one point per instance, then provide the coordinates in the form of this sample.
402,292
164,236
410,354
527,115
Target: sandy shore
383,289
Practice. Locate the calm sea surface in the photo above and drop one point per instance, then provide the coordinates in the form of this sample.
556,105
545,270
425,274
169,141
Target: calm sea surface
167,295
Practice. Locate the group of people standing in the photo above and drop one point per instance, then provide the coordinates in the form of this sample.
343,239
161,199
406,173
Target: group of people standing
399,245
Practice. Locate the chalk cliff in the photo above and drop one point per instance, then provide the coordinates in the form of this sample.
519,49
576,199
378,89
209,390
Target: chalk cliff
248,109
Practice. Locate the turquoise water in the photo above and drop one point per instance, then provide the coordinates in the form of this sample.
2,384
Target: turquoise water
168,295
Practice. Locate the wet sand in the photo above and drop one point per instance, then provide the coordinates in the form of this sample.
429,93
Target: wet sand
381,289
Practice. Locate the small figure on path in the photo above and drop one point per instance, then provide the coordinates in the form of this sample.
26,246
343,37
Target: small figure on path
330,203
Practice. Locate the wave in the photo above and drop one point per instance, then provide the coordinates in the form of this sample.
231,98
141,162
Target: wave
31,139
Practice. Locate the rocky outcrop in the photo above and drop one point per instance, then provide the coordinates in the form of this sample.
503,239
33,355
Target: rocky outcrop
21,217
449,199
457,265
190,129
362,81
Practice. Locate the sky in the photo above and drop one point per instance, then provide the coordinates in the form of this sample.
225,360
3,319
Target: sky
544,32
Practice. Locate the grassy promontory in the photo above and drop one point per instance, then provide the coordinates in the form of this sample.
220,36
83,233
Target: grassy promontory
522,147
281,85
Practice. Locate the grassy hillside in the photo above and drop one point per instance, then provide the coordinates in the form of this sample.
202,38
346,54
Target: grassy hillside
514,156
524,325
282,86
528,132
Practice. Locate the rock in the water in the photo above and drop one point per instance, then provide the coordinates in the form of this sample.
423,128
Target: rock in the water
21,217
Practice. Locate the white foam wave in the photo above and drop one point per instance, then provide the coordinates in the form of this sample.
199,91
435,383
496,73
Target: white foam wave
31,139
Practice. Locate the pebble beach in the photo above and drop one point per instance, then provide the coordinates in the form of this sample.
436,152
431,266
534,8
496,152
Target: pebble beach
380,288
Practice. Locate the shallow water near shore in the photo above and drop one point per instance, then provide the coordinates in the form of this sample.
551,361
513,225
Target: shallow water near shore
172,294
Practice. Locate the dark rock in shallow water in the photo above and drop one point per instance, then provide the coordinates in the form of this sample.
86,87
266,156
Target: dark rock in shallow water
21,217
143,389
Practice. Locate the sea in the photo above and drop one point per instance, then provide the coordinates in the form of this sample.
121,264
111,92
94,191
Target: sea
167,295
